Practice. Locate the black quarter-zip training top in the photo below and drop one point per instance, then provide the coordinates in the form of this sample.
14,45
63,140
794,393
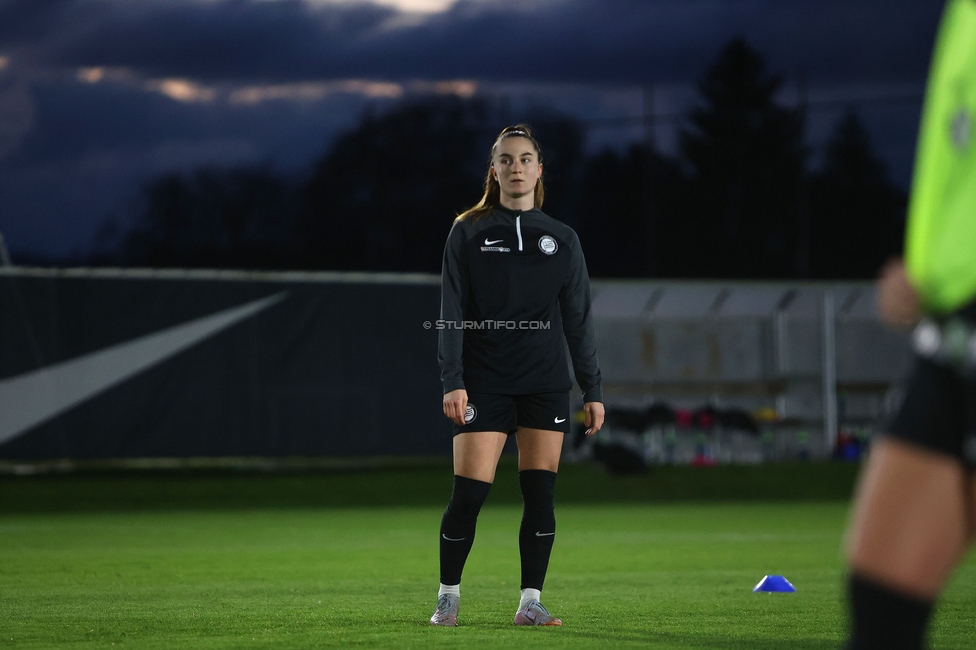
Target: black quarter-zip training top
513,285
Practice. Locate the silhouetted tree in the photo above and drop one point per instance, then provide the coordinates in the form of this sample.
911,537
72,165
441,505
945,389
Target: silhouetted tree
857,213
383,197
240,218
746,158
618,238
108,243
386,194
562,140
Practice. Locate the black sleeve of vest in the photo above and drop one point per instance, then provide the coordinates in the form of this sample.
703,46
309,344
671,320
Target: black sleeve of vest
454,299
574,304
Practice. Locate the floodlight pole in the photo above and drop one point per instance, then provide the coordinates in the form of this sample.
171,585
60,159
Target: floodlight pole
650,147
829,352
4,253
649,118
803,196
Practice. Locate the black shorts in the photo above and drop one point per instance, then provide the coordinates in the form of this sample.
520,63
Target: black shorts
939,412
493,412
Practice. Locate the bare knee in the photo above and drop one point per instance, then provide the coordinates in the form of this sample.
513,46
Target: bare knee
476,454
539,449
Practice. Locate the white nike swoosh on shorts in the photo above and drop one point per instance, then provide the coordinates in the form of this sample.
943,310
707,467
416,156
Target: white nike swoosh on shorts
559,421
538,534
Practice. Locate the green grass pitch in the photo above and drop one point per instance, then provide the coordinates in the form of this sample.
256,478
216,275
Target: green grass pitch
652,575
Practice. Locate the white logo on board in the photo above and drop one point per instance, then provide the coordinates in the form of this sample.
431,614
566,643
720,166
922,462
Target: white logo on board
35,397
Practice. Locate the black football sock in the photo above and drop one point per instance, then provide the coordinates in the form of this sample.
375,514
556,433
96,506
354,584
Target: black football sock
458,524
882,617
538,525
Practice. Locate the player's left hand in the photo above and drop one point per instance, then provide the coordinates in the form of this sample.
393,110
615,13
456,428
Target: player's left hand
594,413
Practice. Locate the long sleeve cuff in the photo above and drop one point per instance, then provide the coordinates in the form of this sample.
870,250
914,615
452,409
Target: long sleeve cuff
595,394
453,384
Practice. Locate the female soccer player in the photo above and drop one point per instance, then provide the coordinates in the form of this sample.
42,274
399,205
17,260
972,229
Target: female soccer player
915,512
514,291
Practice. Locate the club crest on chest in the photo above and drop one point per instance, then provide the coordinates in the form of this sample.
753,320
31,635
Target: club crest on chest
548,245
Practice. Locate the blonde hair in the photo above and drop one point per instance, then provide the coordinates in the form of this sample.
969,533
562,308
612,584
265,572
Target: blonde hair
492,195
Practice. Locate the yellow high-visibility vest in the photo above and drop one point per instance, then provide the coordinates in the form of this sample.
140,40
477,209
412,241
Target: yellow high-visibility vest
940,245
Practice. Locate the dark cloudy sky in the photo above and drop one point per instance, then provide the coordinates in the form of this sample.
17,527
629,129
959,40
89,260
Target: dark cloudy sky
96,96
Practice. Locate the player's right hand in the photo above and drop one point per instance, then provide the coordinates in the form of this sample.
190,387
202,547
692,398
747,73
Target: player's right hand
593,414
455,403
898,301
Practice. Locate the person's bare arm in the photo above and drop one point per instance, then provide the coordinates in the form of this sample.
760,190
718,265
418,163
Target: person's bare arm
898,302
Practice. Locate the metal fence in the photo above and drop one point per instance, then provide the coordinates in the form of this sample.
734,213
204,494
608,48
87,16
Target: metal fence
810,355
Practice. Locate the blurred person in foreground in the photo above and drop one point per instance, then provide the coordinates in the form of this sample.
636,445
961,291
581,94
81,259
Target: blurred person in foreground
914,512
506,261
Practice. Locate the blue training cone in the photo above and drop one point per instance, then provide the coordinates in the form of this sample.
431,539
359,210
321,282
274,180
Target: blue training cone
774,583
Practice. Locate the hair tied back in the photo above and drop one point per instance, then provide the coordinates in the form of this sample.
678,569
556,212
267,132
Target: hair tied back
492,194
